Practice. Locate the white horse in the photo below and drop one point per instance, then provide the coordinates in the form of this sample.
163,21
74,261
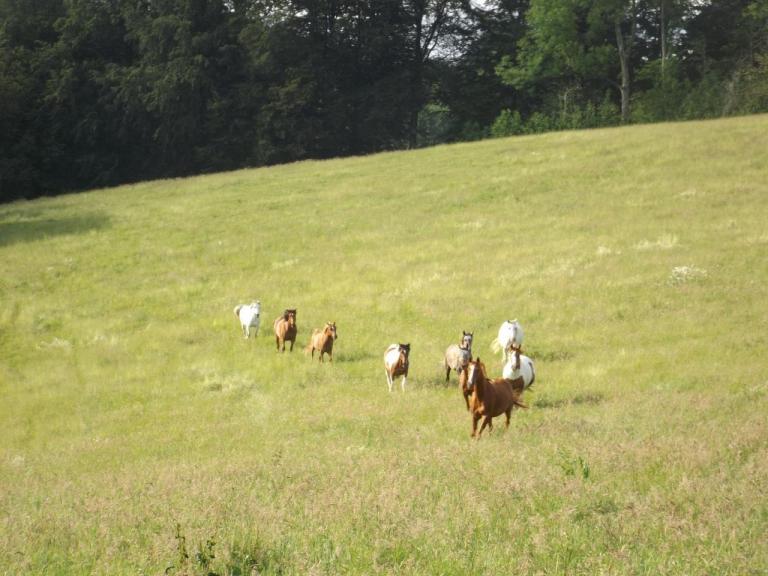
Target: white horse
510,336
250,317
519,366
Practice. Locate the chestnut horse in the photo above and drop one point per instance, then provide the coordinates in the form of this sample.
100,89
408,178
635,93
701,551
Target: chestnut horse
491,398
322,341
285,329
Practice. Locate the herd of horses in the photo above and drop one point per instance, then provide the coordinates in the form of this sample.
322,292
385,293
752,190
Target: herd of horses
485,398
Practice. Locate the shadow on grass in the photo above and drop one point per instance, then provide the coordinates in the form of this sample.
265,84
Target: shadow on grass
38,229
354,356
589,398
550,355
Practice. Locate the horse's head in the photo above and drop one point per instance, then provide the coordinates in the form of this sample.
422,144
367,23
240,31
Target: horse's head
330,328
405,349
256,307
466,340
475,373
290,316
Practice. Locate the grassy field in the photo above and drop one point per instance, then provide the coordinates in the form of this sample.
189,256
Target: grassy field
141,434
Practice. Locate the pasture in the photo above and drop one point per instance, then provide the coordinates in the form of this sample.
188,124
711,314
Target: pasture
140,433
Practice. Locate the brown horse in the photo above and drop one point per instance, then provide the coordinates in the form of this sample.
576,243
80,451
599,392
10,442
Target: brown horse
463,386
491,398
285,329
322,341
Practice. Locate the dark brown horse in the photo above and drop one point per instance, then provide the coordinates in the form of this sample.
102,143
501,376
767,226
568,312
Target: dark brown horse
285,329
490,398
322,341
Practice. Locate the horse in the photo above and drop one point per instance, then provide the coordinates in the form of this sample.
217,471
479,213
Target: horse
491,398
520,366
464,386
510,338
396,363
322,341
285,329
249,316
457,356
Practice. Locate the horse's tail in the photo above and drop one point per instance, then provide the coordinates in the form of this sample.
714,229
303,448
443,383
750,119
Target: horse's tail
533,376
496,345
308,347
237,311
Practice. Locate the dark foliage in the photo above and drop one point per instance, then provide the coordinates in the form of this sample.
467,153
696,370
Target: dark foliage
100,92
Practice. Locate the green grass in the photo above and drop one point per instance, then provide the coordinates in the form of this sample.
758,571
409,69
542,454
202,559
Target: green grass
131,404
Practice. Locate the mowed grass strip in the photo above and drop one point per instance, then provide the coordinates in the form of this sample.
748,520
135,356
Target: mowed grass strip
140,433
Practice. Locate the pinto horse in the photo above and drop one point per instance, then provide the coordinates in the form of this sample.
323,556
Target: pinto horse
520,366
285,329
322,341
491,398
396,363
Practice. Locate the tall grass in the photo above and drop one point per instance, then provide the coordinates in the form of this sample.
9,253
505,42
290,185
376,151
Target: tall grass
139,432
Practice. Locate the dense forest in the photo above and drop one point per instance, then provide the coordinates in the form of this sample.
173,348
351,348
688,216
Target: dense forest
100,92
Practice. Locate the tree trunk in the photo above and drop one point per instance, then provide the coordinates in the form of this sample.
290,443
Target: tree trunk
663,37
624,46
417,79
624,62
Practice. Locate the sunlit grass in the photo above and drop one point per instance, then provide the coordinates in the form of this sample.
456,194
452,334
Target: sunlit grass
636,259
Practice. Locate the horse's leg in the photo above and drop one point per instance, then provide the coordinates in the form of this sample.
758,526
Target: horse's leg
447,373
486,422
404,381
389,379
277,342
292,341
508,414
475,418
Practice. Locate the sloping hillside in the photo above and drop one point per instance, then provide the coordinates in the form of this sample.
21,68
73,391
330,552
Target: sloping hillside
137,424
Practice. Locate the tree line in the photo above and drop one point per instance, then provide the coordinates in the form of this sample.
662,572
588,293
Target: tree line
101,92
